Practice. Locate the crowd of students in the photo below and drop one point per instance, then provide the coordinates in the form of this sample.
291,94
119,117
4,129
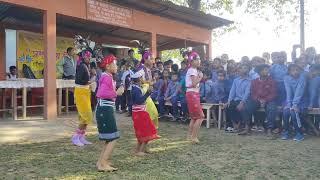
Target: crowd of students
242,88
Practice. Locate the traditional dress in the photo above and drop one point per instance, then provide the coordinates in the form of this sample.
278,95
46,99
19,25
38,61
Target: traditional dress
106,121
82,94
193,96
144,128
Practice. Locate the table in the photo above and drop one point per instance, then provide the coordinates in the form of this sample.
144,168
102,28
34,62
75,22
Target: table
23,84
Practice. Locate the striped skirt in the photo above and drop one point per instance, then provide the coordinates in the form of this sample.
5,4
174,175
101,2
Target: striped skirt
145,129
194,106
106,122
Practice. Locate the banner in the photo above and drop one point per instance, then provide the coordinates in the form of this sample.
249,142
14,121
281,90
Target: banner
30,51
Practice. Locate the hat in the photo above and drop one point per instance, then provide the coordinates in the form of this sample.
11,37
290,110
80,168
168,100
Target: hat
138,74
107,60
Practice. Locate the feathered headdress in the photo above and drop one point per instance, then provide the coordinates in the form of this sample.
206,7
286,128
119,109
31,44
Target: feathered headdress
143,49
82,45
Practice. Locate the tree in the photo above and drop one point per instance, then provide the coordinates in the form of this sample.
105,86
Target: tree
280,11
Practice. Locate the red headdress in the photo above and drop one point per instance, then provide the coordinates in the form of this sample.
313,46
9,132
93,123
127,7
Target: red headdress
107,60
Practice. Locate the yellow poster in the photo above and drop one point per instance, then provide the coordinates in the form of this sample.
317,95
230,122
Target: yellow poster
30,51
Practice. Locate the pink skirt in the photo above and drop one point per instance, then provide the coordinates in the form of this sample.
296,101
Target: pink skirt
194,106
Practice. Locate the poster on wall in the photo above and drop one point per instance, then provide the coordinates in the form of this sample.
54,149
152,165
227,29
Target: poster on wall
30,51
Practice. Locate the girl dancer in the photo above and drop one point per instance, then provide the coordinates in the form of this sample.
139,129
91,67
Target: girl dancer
82,94
144,128
106,122
193,79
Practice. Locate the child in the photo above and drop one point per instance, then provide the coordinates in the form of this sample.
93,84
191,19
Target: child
263,94
126,81
205,84
106,122
278,71
217,93
162,90
172,95
215,65
193,79
295,84
82,94
159,66
314,90
156,85
12,75
144,128
183,70
119,99
238,97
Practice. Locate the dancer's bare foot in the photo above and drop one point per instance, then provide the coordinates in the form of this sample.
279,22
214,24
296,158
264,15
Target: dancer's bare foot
147,151
140,154
107,169
189,137
195,141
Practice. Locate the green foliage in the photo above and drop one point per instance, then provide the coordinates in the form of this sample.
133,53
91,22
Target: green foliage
171,54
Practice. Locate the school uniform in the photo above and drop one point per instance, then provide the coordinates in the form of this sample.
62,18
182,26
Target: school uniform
172,93
240,92
278,72
295,90
217,92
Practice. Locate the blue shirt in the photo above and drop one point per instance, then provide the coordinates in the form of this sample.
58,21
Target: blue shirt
217,93
172,89
138,98
278,72
156,89
314,90
240,90
204,88
294,90
253,74
214,75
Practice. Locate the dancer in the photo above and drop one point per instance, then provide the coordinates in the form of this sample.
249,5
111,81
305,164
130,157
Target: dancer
148,81
106,122
193,79
82,94
144,128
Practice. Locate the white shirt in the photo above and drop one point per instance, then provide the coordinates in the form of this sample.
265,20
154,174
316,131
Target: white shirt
191,72
12,77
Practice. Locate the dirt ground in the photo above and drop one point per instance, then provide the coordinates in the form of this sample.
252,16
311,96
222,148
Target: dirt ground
42,150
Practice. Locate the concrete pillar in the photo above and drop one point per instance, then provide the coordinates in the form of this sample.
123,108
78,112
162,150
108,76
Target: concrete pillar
2,53
50,93
154,44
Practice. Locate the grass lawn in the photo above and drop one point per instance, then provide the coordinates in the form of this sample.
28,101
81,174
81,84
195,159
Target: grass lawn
218,156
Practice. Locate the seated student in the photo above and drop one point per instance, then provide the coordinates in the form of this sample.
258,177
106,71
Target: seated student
295,84
182,95
238,97
256,61
156,85
175,68
172,95
313,91
159,66
167,66
162,90
12,75
263,94
205,84
231,75
217,93
214,68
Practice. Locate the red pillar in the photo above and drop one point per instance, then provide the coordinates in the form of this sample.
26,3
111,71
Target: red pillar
154,44
50,93
2,53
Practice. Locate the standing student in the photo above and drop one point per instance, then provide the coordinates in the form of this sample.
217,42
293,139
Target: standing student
106,121
205,84
82,95
278,71
12,75
193,79
214,68
145,129
263,95
238,97
295,84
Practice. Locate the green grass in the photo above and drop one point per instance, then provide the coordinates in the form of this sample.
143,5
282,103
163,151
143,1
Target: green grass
219,156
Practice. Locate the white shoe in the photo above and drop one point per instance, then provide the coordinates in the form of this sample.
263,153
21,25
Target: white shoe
76,140
83,140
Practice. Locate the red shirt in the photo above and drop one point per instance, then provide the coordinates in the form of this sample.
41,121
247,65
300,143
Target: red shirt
263,89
